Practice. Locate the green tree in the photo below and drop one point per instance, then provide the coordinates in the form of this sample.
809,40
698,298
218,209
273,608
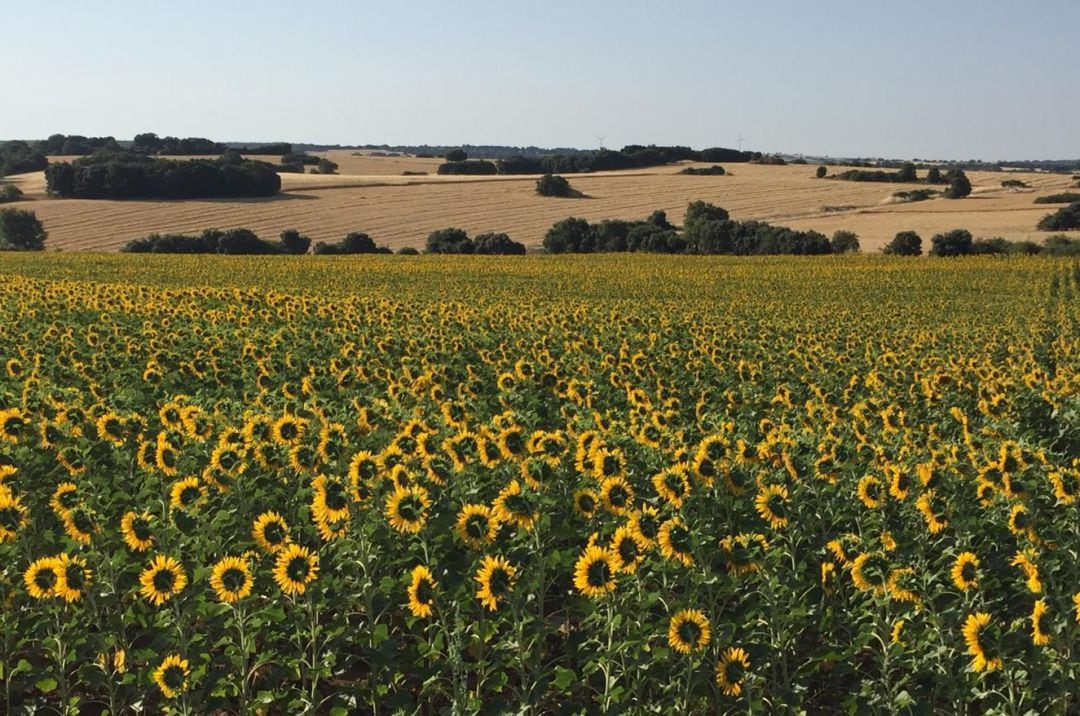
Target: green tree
553,185
822,171
845,242
456,155
21,231
952,243
959,187
907,173
906,243
294,242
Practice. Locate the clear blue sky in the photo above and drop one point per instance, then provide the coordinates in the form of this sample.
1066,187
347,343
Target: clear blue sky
958,79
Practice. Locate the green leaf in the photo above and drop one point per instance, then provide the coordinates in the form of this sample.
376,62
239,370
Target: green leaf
564,678
46,685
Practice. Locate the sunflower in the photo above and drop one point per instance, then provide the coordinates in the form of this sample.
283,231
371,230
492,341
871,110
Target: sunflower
79,525
171,676
688,631
1040,632
828,577
162,580
897,629
645,523
65,498
979,645
731,670
270,532
1025,560
870,572
476,526
496,579
743,552
676,541
672,485
187,494
629,549
231,579
513,506
73,578
421,592
330,499
771,504
288,430
585,502
1076,606
933,511
900,584
14,515
607,463
295,568
965,571
1020,521
12,424
42,577
595,570
406,508
617,495
871,492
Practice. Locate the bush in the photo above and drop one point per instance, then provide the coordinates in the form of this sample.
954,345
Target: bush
1066,198
907,173
910,195
408,251
497,244
456,155
821,172
714,170
1061,246
9,192
659,218
703,211
289,168
953,243
292,242
933,176
845,242
470,166
905,243
449,241
130,176
1013,184
21,231
19,157
1064,219
325,166
408,173
571,236
356,242
770,159
211,241
553,185
301,158
959,187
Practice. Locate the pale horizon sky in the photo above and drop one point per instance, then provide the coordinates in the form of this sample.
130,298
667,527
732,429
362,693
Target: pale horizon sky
949,79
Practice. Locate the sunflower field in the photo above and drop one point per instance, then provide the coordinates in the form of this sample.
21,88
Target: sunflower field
599,484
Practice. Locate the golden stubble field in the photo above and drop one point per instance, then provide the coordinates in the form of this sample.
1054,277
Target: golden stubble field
370,194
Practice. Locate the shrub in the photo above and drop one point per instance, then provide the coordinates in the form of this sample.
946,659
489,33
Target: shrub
1013,184
1061,246
1063,219
714,170
289,168
9,192
769,159
905,243
703,211
933,176
553,185
907,173
571,236
449,241
1066,198
408,173
21,231
301,158
845,242
325,166
910,195
456,155
408,251
821,172
356,242
19,157
659,218
469,166
294,243
953,243
211,241
497,244
959,186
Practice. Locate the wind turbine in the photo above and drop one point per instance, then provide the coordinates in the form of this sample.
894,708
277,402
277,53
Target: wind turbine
740,141
601,139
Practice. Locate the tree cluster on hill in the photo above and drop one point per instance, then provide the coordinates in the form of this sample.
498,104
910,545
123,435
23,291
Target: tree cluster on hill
958,184
125,175
1065,198
456,241
714,170
554,185
633,156
356,242
150,143
469,167
21,231
18,157
707,229
76,144
1065,219
959,242
210,241
9,192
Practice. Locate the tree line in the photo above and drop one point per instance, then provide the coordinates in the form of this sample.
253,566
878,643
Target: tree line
127,175
633,156
958,185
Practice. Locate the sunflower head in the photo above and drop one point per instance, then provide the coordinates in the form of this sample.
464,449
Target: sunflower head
421,592
594,573
688,631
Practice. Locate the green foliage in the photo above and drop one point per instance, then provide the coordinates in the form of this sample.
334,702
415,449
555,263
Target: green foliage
456,241
457,155
21,230
821,172
408,251
1013,184
714,170
910,195
10,192
554,185
356,242
1064,219
19,157
957,242
959,186
293,242
905,243
934,176
907,173
325,166
210,241
845,242
468,167
1064,198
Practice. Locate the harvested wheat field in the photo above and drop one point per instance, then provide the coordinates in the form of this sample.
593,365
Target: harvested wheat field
371,195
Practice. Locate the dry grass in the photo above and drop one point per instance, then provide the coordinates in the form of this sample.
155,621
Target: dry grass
371,195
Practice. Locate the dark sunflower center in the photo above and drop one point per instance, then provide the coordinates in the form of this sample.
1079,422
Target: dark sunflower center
410,508
164,580
229,459
69,500
586,503
9,518
425,593
173,677
75,577
674,484
518,504
734,672
367,470
274,533
967,572
610,466
689,632
514,443
13,426
499,582
112,427
168,457
707,468
875,570
777,506
335,496
233,579
288,431
45,579
82,521
599,573
189,495
628,550
680,539
477,526
1020,520
648,526
618,496
297,569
